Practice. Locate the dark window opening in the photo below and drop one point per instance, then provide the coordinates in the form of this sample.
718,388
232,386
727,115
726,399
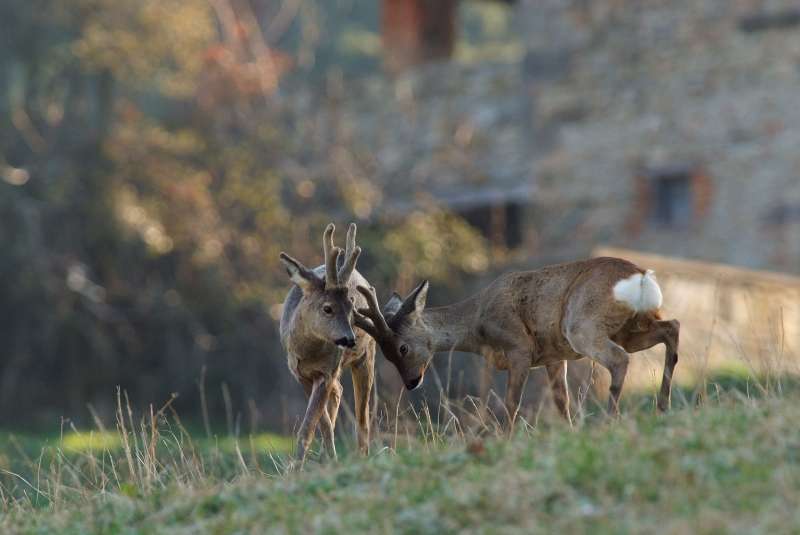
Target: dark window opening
672,198
501,224
779,20
783,214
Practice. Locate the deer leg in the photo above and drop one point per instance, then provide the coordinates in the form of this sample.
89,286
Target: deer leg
668,333
334,402
329,418
586,341
317,402
615,360
557,374
326,429
363,379
671,341
517,375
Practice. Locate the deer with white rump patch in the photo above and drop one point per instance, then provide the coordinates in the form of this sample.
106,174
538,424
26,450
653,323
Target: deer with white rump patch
603,309
316,330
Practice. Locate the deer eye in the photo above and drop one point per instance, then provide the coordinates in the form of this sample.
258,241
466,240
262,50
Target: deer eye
327,309
404,349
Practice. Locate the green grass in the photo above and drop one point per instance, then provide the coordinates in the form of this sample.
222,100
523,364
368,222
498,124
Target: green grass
730,465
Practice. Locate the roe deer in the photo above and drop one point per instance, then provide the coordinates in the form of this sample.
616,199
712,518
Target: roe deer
316,331
601,308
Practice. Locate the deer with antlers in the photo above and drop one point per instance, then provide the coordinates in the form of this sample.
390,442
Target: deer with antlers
316,330
603,309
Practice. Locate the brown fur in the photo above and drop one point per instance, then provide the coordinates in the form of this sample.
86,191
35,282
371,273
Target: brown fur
310,334
524,320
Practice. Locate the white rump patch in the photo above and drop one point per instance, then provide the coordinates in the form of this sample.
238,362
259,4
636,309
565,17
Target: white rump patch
640,292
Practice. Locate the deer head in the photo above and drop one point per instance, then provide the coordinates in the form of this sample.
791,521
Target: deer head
325,309
404,338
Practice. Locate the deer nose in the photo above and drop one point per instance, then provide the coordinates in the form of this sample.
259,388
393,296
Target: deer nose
346,341
414,383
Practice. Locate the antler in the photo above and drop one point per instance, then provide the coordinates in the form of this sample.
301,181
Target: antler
331,256
371,318
352,251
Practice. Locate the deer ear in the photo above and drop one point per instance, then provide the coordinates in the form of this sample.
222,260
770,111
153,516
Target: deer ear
420,296
392,305
300,274
414,304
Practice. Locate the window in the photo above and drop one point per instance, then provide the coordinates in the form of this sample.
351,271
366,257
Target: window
764,21
672,198
783,214
500,223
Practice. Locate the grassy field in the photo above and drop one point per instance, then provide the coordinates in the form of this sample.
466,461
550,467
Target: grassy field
729,464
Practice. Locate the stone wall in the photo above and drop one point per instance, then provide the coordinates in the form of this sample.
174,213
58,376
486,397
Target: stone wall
444,131
608,94
665,84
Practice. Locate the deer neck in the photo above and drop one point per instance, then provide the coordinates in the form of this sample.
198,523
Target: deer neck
302,340
452,325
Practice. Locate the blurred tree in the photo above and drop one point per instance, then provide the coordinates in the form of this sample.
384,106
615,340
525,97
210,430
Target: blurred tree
142,206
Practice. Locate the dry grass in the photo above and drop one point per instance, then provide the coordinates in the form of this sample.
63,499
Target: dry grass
727,458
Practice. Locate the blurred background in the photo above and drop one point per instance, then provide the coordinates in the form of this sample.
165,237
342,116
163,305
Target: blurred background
156,155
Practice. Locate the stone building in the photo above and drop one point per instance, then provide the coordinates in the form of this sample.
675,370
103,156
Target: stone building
666,126
674,125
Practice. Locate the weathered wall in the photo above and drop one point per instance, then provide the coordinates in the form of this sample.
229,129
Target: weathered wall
607,92
443,130
670,83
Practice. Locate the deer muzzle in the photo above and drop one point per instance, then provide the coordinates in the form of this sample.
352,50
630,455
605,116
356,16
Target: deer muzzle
346,341
414,383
